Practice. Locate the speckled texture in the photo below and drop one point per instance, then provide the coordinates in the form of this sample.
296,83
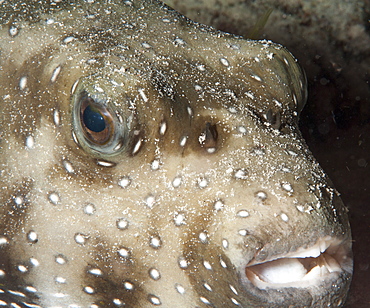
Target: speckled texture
331,41
147,160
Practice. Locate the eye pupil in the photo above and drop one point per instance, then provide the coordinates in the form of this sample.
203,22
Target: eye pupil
93,119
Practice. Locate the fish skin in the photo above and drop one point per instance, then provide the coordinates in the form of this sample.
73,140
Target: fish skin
206,173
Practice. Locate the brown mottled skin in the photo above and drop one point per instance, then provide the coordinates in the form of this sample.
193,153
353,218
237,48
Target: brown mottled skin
198,174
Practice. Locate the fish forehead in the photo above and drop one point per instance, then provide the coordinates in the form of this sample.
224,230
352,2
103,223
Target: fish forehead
164,220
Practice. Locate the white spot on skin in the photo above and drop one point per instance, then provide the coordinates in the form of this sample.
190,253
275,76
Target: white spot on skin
154,274
179,219
55,74
261,195
190,111
258,151
155,242
98,88
118,302
124,252
32,237
176,182
137,147
22,268
68,39
89,290
250,95
13,31
30,142
154,300
150,201
122,224
198,88
146,45
284,217
67,166
241,174
179,42
18,200
207,265
3,240
225,243
183,141
234,46
233,110
80,238
54,198
207,287
242,130
243,232
224,62
60,279
143,96
155,164
258,78
223,263
292,153
287,187
201,67
16,293
95,272
89,209
23,83
204,300
31,289
60,259
124,182
242,213
179,288
183,263
218,205
128,285
105,163
56,117
202,183
34,262
163,128
203,237
235,301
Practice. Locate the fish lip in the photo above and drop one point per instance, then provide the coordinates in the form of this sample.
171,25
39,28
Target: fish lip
328,258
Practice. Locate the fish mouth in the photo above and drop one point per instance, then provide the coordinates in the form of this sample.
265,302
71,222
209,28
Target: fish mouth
305,267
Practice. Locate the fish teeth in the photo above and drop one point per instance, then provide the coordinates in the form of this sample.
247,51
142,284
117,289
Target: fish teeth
302,268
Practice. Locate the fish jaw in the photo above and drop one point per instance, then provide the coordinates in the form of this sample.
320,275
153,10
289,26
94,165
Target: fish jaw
208,192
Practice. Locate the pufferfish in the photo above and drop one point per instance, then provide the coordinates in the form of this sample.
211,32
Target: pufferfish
147,160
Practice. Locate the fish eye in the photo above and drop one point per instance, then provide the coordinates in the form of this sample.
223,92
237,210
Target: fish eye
96,121
96,125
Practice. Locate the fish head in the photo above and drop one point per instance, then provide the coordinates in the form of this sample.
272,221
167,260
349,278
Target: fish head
148,160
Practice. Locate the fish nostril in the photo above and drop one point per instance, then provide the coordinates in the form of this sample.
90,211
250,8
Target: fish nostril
209,137
274,119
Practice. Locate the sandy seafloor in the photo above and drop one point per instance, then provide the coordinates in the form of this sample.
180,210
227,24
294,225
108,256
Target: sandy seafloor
331,39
